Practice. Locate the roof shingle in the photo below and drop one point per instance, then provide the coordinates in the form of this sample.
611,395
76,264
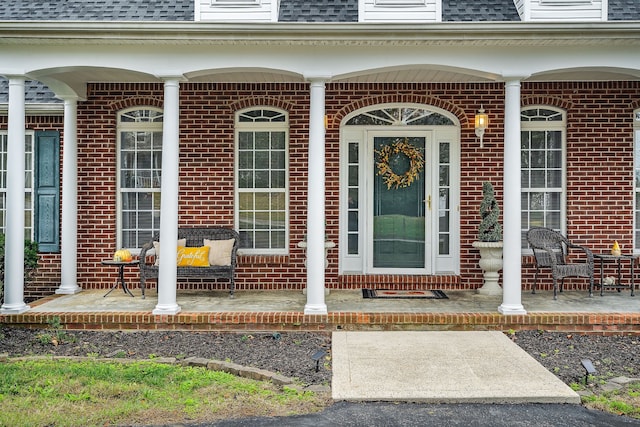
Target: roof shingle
96,10
35,92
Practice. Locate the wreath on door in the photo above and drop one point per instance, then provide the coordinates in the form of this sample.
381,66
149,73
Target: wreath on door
416,163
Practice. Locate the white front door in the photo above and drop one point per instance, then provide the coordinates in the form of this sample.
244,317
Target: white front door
399,216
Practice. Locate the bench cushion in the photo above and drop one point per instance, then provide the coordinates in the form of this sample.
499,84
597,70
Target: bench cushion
156,248
220,251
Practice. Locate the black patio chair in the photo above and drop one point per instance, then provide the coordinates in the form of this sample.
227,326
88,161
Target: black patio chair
551,250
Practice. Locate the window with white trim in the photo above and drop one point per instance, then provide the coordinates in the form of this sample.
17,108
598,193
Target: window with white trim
400,3
262,180
565,2
235,2
139,175
543,132
636,174
28,191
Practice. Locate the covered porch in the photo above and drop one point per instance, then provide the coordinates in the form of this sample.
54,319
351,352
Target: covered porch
396,65
574,311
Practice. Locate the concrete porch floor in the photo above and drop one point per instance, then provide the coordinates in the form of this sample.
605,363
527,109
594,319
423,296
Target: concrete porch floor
347,310
338,301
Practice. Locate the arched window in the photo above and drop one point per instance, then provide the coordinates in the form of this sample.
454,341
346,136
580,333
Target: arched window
139,175
407,116
543,168
262,180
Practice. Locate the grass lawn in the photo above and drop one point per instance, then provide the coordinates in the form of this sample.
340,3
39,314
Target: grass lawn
91,393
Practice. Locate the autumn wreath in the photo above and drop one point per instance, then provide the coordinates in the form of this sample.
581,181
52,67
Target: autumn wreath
391,178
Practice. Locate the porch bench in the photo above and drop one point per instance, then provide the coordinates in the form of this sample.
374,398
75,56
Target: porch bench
194,237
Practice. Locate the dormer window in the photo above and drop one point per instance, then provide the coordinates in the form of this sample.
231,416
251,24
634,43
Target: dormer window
400,3
564,2
234,3
400,11
236,10
562,10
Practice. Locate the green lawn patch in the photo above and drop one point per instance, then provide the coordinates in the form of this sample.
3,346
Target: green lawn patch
91,393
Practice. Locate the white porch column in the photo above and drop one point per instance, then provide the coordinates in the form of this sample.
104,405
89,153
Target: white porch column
14,233
315,200
169,199
512,270
69,232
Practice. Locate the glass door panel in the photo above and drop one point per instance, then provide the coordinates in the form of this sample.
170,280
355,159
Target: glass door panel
398,202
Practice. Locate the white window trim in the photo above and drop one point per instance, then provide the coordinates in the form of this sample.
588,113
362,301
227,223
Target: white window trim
124,127
31,209
565,2
266,127
554,126
235,3
400,3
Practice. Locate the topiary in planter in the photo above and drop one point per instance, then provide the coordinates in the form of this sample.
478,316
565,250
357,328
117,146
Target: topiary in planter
490,229
31,258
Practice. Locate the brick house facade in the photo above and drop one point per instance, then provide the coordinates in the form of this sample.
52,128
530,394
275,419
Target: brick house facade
202,68
599,173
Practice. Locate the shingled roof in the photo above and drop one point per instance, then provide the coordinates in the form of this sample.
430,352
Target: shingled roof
624,10
318,11
290,10
97,10
479,10
35,92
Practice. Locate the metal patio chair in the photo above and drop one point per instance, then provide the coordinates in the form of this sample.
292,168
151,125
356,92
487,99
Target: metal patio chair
551,250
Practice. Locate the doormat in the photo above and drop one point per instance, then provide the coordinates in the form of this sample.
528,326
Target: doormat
396,294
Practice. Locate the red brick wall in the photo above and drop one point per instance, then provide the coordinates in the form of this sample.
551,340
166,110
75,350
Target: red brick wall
599,166
47,277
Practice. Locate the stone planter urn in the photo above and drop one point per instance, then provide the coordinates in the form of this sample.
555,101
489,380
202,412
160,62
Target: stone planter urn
490,263
489,241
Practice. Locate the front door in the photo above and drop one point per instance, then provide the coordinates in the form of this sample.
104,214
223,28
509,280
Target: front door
399,192
399,202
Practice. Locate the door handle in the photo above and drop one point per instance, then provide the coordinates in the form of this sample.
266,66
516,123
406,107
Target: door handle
429,202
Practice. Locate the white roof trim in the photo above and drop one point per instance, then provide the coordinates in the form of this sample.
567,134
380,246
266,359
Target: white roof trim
378,34
34,109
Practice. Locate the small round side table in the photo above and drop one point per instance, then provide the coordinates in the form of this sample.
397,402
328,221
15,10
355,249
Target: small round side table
121,265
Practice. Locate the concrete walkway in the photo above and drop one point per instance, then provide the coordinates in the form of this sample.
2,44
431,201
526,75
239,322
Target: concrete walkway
440,367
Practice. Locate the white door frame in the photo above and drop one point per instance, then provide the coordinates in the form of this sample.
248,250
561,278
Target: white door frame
353,144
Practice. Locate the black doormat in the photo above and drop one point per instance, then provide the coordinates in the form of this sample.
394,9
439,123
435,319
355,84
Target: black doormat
402,294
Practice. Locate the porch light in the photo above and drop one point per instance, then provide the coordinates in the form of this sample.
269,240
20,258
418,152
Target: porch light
482,122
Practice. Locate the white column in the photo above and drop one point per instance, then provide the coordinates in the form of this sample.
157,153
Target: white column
167,274
14,234
315,201
512,270
69,232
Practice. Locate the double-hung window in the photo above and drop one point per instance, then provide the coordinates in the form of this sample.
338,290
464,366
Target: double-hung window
262,163
543,169
139,175
28,190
